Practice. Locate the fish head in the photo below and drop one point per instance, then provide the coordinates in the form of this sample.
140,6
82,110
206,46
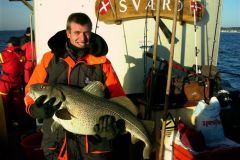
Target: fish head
37,90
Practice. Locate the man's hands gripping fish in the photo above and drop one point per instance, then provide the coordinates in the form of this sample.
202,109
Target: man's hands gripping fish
42,110
108,128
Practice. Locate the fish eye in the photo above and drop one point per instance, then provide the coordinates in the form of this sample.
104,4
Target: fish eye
42,87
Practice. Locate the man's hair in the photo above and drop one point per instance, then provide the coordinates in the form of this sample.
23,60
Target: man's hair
14,40
28,30
79,18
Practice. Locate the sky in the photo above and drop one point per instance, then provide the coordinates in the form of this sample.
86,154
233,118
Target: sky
231,13
15,15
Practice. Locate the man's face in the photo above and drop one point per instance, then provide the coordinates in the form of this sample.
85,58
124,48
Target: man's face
79,35
28,34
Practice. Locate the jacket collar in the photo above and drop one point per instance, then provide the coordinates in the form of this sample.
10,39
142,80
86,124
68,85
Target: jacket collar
57,43
9,49
91,59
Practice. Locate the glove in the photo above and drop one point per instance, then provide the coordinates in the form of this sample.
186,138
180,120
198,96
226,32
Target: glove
108,128
43,110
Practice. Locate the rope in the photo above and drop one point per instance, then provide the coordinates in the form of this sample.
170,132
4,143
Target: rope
214,40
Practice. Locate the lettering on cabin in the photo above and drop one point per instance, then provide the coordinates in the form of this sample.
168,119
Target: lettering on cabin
135,9
150,5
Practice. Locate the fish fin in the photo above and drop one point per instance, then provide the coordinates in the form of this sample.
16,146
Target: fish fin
134,140
55,125
149,125
63,114
146,152
126,103
95,88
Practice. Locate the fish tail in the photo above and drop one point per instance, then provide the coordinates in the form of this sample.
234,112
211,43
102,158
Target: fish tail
146,152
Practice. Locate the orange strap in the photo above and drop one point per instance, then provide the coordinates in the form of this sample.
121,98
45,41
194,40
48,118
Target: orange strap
93,152
63,152
51,148
86,143
100,152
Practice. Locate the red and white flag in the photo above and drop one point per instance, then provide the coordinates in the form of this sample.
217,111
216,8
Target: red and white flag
104,6
197,6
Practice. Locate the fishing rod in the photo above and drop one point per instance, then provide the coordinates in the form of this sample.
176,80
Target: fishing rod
148,91
145,43
169,78
33,60
154,66
195,35
167,33
214,40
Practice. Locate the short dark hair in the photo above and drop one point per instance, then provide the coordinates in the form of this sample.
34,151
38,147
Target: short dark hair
80,18
28,30
14,40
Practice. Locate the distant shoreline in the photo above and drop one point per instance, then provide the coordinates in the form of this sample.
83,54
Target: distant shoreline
230,29
12,30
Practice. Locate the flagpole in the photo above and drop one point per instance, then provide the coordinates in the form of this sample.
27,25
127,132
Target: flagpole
114,13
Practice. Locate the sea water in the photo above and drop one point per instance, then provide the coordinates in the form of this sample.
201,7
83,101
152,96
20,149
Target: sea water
4,36
229,60
228,57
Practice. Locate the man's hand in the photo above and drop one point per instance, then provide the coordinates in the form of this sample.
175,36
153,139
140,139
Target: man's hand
108,128
43,110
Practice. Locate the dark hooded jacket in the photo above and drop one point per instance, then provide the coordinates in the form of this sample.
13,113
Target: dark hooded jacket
63,66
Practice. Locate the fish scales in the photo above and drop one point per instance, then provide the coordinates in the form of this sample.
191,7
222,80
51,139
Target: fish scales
85,101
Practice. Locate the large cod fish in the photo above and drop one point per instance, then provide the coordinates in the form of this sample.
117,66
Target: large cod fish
81,108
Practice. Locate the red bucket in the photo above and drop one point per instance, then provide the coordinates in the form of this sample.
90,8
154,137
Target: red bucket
32,146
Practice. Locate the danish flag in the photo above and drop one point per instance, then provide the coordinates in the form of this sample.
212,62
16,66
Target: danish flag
197,6
104,6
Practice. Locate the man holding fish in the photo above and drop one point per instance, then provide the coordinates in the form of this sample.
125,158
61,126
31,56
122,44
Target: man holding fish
77,58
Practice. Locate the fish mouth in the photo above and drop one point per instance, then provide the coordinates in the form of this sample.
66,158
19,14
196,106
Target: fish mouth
53,92
32,95
58,100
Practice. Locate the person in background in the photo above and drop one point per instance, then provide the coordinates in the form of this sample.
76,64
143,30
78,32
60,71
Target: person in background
26,37
12,61
30,53
28,47
77,57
